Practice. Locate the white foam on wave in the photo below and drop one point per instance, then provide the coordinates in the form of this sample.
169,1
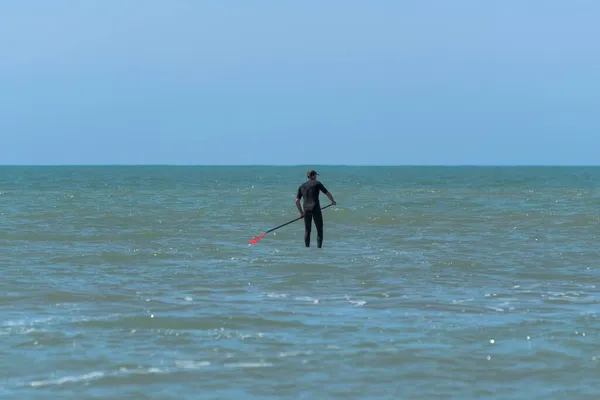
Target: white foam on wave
356,303
190,364
306,298
27,322
277,295
55,321
295,353
566,296
68,379
261,364
458,301
179,364
19,330
297,298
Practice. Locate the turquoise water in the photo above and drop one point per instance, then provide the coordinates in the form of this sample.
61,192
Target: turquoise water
139,283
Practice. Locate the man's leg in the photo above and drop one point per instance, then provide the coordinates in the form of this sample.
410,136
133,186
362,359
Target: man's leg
318,217
307,226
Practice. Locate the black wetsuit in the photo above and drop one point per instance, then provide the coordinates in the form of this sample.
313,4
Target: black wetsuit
309,190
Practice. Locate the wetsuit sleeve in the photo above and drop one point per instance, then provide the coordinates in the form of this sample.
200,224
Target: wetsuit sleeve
322,188
299,194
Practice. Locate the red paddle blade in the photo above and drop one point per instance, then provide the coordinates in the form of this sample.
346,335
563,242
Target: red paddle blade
256,239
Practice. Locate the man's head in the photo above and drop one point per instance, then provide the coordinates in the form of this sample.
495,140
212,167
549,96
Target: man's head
311,174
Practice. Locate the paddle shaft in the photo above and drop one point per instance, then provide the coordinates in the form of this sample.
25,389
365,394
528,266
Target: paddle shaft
294,220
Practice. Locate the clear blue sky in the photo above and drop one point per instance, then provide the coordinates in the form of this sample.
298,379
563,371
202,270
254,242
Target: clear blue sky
311,82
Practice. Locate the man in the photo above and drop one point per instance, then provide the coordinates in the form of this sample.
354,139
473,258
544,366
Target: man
309,190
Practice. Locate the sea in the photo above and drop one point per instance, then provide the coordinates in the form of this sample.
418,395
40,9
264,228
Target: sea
139,282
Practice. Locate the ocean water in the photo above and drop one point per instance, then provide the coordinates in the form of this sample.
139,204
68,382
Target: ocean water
432,283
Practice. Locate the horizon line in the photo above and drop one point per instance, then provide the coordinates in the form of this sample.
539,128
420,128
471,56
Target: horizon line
300,165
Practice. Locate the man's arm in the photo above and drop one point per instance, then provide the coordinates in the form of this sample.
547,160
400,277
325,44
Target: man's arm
299,207
298,197
327,193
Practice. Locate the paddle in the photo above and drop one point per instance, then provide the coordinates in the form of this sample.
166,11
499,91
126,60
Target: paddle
256,239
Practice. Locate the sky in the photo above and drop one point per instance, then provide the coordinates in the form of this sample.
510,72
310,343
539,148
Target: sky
412,82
